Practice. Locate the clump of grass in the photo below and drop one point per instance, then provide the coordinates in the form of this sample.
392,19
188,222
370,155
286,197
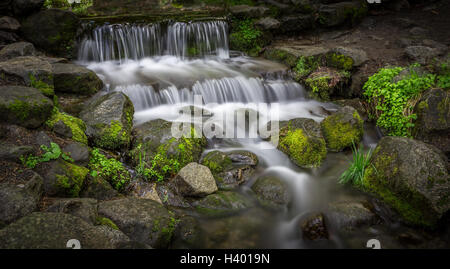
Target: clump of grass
355,173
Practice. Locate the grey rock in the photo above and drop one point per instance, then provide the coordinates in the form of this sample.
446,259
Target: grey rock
71,78
350,215
272,192
79,152
223,203
26,67
84,208
9,24
195,180
314,228
16,50
98,188
13,152
268,23
421,54
244,11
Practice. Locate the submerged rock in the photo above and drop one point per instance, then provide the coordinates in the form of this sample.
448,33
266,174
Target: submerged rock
194,180
24,106
314,228
109,120
272,192
71,78
350,215
342,128
222,203
411,177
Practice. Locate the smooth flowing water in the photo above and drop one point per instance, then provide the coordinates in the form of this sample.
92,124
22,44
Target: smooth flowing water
152,65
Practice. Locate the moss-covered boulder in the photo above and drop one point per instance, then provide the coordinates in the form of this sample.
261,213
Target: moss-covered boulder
272,192
433,119
67,126
16,50
98,188
52,30
27,70
143,220
302,141
163,154
71,78
342,128
223,203
109,120
61,178
327,82
84,208
24,106
48,230
411,177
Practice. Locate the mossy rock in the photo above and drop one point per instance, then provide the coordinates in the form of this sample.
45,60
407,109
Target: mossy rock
412,178
24,106
67,126
246,37
216,161
342,129
109,120
327,82
222,203
29,71
61,178
71,78
98,188
350,12
302,141
84,208
272,192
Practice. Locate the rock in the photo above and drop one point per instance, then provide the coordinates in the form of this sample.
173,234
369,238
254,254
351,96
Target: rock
342,13
52,30
195,180
244,11
145,190
188,234
5,6
326,82
398,5
418,32
42,138
433,119
155,145
421,54
99,189
222,203
440,48
84,208
8,38
17,201
62,179
295,23
351,215
216,161
356,103
357,55
314,228
46,230
9,24
27,69
342,129
290,55
24,106
267,23
11,152
143,220
411,177
242,157
17,49
79,152
71,78
302,141
68,126
109,120
272,192
26,7
170,197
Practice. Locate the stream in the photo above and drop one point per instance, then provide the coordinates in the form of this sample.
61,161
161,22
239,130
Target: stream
161,67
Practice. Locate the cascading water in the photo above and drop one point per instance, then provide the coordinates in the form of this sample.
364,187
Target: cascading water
154,66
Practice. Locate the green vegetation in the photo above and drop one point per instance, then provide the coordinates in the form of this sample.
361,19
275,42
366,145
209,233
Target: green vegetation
77,8
52,153
339,132
111,170
45,88
355,173
76,125
72,179
245,37
392,102
106,222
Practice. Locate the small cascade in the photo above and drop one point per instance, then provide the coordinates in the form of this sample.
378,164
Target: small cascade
220,91
129,41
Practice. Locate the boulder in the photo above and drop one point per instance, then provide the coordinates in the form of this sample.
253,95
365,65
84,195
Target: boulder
24,106
61,178
358,56
244,11
79,153
268,23
351,215
19,200
99,189
84,208
411,177
421,54
350,12
296,23
71,78
68,126
222,203
8,37
26,7
143,220
188,234
143,189
342,129
314,228
12,152
53,30
109,120
433,119
302,141
27,70
48,230
9,24
17,49
195,180
272,192
327,82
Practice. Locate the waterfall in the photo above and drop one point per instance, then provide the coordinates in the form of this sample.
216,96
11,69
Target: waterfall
131,41
224,90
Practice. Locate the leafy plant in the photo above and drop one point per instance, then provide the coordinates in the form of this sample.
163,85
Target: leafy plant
109,169
246,37
355,173
158,168
52,153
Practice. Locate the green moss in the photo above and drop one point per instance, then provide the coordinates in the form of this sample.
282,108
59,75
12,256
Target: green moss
107,222
303,150
72,180
21,109
113,136
216,161
246,37
339,61
341,134
45,88
76,125
320,86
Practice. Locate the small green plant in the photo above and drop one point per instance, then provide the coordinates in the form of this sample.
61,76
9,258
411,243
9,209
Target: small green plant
158,168
355,173
109,169
246,37
52,153
45,88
